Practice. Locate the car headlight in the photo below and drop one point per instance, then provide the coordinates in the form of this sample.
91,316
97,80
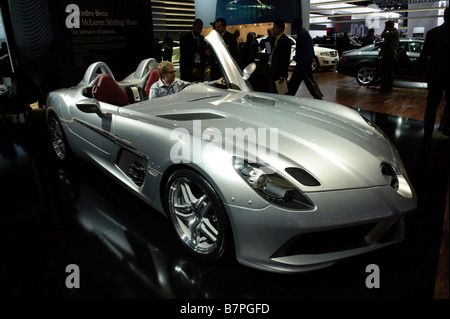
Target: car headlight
271,185
324,53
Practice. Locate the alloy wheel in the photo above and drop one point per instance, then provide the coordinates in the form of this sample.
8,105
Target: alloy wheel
195,219
365,75
57,137
198,215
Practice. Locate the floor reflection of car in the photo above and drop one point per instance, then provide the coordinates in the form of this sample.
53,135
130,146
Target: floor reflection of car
361,63
145,258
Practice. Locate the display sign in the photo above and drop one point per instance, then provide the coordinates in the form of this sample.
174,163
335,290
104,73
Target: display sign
56,40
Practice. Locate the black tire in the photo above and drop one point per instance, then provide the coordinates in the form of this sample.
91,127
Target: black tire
198,216
365,74
58,138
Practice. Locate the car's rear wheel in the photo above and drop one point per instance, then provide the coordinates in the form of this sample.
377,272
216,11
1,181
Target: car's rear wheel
365,74
57,137
198,215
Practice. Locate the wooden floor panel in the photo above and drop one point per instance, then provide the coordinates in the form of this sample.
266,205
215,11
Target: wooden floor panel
408,99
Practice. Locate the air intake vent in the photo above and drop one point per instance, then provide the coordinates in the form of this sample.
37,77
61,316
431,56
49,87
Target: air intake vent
137,173
302,176
191,116
388,171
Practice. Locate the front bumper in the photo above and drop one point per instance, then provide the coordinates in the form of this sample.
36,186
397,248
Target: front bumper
345,223
327,61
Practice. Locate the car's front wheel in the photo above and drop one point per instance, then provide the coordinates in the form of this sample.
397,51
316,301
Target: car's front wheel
365,74
198,215
315,65
57,137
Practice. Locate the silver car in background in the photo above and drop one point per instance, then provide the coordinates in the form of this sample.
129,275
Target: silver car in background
281,183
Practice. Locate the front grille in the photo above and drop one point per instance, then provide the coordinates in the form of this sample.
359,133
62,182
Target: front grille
333,54
329,241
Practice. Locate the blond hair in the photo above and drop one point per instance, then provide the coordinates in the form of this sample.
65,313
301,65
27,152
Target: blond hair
163,67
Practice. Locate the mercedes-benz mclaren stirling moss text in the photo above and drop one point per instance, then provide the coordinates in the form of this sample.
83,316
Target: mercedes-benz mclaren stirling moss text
284,184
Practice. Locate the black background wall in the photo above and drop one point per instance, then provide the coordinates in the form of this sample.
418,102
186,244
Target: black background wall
48,43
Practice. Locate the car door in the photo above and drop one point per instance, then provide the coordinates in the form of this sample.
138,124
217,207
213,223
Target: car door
407,69
94,129
413,52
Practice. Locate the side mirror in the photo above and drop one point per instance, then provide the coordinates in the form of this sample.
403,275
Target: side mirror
90,106
249,69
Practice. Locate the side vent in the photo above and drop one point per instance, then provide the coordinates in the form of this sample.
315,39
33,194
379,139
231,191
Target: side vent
137,173
134,166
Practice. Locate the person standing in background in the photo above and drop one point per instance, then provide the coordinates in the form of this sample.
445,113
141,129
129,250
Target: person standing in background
433,56
193,53
167,47
304,55
387,55
342,43
280,57
220,25
249,50
266,42
369,38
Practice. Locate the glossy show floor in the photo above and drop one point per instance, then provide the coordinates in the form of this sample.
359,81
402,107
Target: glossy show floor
54,215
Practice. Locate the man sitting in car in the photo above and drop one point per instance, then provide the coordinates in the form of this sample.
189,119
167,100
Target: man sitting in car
169,84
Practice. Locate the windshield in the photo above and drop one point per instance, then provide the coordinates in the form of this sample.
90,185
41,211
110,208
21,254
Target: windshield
230,70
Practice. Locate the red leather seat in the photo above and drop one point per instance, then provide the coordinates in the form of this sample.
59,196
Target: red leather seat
108,91
152,78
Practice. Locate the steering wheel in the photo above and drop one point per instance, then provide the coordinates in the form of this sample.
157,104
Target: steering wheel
94,70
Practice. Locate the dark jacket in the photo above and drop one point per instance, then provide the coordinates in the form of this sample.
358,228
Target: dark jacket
281,57
304,51
231,42
434,54
192,56
248,53
368,40
390,44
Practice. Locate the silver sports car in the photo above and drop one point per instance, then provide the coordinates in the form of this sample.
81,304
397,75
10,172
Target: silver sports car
282,183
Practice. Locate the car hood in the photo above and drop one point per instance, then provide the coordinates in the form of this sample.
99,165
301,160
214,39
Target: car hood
330,141
323,49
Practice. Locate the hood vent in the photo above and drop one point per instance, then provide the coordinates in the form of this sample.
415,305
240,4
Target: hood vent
204,98
260,100
302,176
191,116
